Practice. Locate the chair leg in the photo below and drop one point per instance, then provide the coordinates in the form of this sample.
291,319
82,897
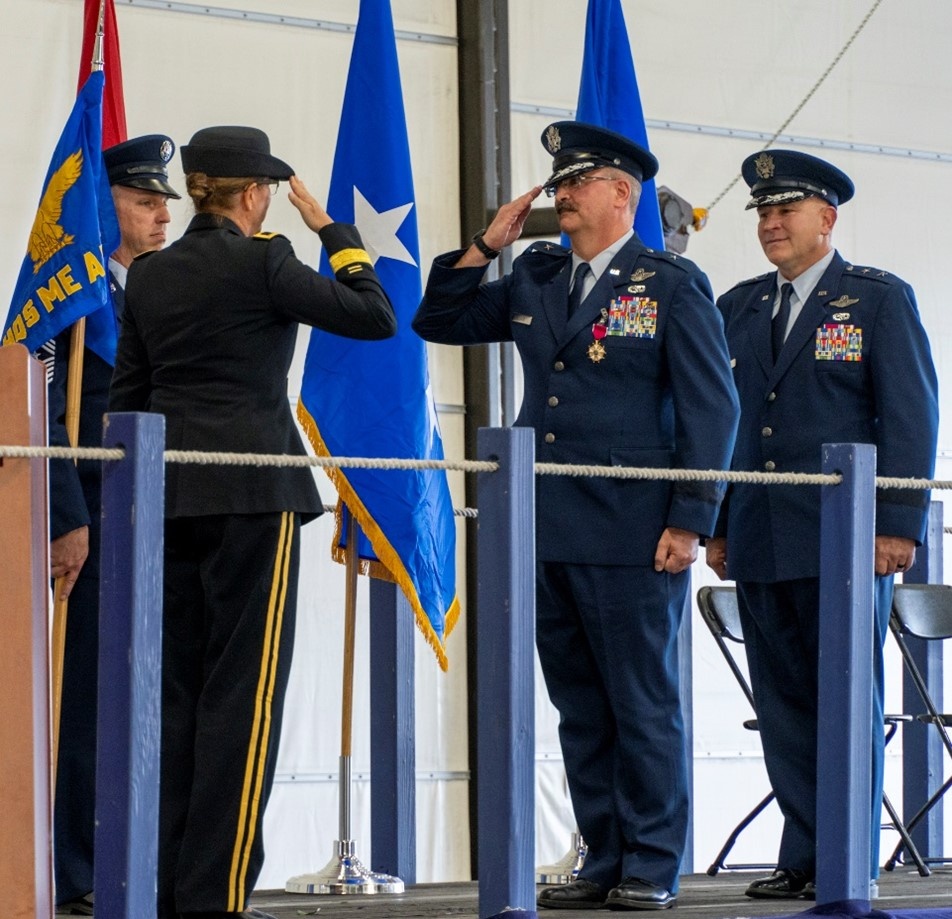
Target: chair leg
905,840
914,822
718,862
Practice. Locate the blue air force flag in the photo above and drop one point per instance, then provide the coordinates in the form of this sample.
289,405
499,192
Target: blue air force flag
63,276
373,399
608,97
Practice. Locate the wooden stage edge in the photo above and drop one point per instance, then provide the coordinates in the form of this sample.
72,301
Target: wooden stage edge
700,897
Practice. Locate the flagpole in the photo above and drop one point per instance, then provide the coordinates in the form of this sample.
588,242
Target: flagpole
347,695
74,391
345,873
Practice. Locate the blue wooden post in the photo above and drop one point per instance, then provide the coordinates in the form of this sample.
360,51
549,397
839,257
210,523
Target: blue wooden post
922,750
844,742
392,734
130,660
505,638
686,676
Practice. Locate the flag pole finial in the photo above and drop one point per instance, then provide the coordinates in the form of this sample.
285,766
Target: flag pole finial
97,61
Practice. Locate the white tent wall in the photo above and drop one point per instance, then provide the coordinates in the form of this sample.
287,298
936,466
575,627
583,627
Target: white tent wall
733,65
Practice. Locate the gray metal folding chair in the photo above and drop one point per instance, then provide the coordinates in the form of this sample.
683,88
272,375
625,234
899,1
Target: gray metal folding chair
718,606
922,611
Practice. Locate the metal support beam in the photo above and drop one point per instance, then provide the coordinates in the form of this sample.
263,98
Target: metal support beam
485,183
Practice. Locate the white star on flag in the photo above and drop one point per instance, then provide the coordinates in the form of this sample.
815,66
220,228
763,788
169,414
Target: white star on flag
379,230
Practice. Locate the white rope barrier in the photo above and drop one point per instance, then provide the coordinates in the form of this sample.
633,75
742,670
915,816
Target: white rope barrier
352,462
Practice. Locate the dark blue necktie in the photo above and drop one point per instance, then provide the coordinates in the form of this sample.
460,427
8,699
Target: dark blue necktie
575,297
779,326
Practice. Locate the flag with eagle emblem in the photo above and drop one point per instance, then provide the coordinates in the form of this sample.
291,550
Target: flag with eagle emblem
63,276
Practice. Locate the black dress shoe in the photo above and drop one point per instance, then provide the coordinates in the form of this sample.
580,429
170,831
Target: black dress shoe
580,894
80,906
783,884
634,893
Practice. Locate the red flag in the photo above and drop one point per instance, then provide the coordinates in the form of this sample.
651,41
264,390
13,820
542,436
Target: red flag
113,106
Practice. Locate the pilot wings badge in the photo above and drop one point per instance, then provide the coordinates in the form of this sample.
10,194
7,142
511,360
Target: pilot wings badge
844,301
47,236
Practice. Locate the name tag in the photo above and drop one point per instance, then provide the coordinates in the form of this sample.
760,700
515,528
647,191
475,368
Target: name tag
522,319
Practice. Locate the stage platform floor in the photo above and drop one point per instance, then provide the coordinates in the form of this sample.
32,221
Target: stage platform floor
701,897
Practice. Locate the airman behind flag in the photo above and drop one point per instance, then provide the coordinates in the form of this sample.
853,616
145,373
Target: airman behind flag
63,276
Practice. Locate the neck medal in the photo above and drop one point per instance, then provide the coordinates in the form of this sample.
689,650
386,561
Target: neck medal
596,350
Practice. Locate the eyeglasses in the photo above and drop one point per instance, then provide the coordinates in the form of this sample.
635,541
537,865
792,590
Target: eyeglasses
576,181
272,185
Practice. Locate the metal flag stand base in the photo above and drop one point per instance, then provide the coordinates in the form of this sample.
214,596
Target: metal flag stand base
566,869
345,873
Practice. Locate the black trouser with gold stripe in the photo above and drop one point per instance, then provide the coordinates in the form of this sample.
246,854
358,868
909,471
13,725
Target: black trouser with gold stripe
230,595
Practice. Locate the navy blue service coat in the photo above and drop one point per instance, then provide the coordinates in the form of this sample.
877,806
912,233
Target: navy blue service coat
663,399
882,392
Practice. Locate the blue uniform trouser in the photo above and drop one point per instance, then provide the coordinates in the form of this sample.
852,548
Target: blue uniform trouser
607,640
74,826
781,637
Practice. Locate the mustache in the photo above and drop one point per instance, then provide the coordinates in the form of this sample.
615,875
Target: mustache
564,207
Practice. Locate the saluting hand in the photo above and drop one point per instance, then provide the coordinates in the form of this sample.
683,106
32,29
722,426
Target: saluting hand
505,229
312,213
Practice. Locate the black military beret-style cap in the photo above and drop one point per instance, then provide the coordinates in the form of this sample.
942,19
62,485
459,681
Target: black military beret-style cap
231,152
141,162
780,176
578,147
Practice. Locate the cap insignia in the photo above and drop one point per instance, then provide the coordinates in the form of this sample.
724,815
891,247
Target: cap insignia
642,275
553,140
764,165
165,151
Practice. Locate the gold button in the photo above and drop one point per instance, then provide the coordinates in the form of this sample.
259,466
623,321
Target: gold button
766,432
770,465
550,438
559,365
553,401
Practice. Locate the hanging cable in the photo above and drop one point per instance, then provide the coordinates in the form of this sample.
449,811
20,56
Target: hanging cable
807,97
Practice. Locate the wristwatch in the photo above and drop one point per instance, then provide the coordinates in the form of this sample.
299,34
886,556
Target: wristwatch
480,244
